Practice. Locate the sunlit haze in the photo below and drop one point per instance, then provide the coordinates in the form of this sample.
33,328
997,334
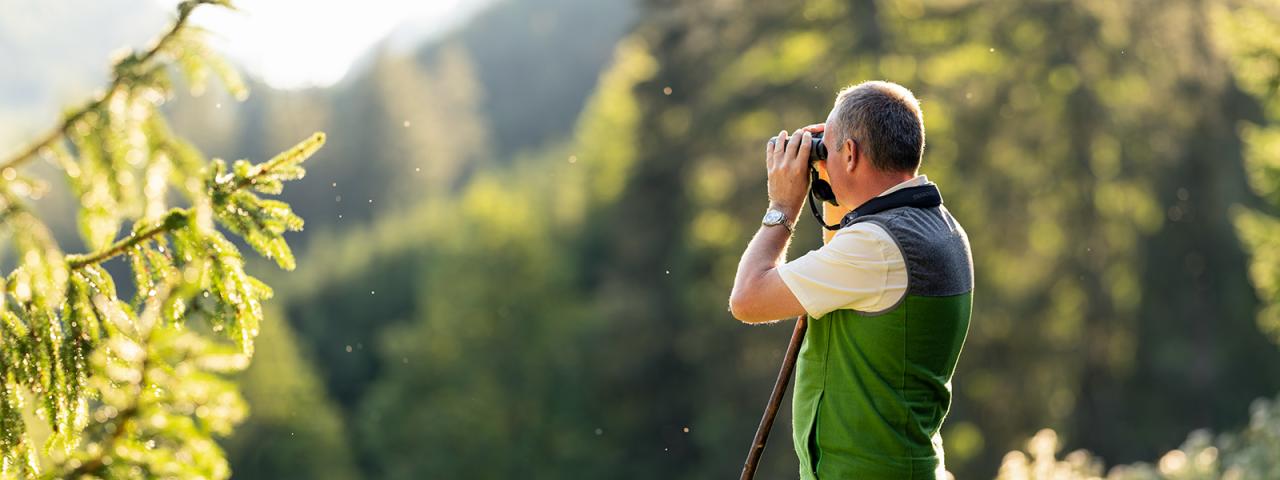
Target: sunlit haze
303,43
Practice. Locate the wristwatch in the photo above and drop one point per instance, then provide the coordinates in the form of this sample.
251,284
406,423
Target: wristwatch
775,217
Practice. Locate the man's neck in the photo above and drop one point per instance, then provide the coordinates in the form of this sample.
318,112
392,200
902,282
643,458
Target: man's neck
879,184
833,214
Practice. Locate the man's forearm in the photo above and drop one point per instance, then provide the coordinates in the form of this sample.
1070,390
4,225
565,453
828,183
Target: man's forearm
766,250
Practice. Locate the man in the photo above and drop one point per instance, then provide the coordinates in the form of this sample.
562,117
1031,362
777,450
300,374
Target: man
888,295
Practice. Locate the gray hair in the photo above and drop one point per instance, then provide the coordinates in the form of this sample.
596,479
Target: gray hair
884,120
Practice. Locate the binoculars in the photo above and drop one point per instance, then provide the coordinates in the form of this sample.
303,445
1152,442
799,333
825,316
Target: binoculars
817,150
819,189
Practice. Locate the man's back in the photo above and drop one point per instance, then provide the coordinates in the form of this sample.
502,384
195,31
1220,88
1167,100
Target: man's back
872,388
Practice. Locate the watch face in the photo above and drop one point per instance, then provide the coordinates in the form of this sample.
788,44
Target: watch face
773,217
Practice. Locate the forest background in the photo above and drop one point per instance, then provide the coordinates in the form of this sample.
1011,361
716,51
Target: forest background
522,232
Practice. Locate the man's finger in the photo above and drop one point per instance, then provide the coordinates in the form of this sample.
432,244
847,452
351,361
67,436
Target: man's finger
768,151
794,145
775,146
816,128
806,144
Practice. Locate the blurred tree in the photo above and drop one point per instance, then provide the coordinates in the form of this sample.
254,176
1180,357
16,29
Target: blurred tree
291,412
483,368
1245,34
420,132
1249,32
133,388
510,81
535,66
512,349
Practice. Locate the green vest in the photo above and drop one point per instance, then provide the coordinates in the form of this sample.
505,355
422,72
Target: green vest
872,388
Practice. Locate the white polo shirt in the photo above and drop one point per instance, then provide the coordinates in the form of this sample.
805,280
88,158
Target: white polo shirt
861,268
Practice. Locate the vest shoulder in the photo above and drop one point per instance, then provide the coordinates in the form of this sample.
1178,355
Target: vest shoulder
935,246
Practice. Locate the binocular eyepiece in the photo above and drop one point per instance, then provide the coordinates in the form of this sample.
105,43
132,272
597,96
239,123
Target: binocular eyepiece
817,151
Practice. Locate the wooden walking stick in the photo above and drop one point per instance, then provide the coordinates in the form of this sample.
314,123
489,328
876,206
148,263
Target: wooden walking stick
775,399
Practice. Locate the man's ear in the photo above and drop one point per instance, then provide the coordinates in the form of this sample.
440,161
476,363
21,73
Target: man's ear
851,149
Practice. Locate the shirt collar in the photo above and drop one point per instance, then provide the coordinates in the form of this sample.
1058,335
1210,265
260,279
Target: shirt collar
916,181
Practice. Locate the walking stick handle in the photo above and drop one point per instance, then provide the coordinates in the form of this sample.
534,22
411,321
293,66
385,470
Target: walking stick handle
775,400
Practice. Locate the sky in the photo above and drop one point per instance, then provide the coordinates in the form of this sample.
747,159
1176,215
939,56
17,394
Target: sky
287,43
312,43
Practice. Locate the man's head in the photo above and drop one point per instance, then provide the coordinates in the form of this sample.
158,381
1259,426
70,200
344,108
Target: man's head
875,134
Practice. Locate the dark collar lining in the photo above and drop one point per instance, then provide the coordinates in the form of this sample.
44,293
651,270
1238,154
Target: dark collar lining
923,196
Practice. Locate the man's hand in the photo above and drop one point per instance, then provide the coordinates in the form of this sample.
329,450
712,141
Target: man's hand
787,162
815,128
830,214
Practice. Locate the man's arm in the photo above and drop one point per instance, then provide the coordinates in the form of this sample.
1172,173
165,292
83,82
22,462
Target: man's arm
759,295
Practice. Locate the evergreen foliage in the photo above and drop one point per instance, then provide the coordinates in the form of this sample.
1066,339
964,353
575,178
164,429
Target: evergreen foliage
93,383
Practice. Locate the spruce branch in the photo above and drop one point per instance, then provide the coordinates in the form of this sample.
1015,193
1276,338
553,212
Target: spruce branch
285,159
96,464
124,71
56,320
129,414
178,217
